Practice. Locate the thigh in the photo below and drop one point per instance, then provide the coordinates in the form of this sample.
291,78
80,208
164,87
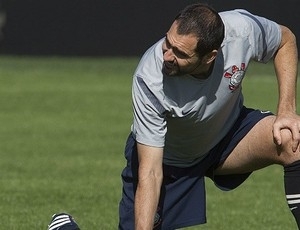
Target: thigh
258,150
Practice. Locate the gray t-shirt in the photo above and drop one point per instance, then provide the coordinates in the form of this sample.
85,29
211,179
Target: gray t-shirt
187,116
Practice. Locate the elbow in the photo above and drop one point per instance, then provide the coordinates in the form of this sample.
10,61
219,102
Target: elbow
288,36
151,177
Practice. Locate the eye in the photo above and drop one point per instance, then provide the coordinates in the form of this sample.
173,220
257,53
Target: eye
180,54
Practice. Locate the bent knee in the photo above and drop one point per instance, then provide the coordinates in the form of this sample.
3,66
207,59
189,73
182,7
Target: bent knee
285,150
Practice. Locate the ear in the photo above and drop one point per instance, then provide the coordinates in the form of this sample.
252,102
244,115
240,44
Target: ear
210,57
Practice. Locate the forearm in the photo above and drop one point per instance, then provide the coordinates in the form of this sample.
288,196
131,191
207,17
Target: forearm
150,176
286,63
286,67
146,202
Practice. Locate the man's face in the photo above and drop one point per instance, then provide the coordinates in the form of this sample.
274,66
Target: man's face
179,53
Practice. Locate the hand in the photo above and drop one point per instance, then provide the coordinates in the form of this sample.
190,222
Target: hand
290,121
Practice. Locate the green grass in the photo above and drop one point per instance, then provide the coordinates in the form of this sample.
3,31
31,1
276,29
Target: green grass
64,122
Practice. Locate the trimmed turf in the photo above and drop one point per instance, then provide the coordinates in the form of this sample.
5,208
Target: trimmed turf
64,122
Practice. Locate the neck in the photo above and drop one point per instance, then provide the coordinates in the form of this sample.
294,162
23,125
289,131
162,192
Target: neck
205,72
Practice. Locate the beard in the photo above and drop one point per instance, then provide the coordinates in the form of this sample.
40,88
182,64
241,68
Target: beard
171,69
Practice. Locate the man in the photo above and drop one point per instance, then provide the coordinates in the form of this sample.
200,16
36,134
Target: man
190,122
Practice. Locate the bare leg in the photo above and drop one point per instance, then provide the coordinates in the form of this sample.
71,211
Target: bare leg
258,150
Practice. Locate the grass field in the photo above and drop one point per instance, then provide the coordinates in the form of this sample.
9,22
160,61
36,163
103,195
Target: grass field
64,122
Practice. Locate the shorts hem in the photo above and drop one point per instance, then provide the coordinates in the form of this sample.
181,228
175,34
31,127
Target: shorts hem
187,224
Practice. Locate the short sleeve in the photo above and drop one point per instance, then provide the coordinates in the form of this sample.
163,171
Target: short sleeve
264,37
149,126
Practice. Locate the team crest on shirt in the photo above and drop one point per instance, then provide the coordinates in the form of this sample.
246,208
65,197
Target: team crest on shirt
236,75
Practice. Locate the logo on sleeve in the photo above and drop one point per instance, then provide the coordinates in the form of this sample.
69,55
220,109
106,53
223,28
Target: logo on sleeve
236,75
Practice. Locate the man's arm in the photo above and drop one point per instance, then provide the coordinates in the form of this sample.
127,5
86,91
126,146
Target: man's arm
150,175
286,63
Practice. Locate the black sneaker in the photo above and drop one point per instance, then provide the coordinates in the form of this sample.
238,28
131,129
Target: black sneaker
63,221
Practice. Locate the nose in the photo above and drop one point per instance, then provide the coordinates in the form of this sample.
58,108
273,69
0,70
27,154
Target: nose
168,55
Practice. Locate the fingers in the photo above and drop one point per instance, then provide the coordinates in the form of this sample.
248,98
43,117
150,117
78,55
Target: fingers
293,126
295,137
277,134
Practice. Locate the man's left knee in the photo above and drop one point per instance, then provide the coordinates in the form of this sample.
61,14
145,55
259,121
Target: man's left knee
285,150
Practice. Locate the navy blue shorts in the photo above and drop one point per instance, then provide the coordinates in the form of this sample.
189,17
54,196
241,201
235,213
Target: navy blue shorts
182,201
